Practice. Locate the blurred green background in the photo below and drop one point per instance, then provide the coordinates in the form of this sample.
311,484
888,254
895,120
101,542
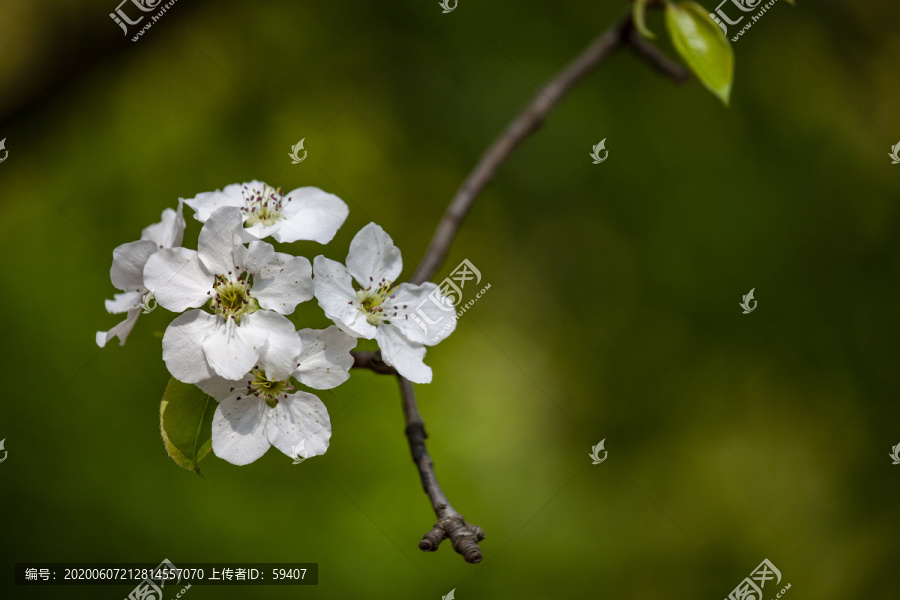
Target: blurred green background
613,309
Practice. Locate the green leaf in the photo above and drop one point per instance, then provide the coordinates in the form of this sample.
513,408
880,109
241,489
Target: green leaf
638,8
186,415
702,45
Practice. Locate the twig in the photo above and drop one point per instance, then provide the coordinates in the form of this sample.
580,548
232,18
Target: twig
657,59
372,361
527,122
450,524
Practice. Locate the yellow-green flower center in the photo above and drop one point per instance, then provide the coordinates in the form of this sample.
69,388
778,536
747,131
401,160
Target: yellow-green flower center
372,299
231,297
270,390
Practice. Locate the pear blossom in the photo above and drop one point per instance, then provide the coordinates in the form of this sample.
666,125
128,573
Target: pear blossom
128,268
374,308
307,213
247,290
260,410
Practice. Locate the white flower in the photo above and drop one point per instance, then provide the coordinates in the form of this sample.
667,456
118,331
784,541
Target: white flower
248,289
260,411
306,213
128,269
375,308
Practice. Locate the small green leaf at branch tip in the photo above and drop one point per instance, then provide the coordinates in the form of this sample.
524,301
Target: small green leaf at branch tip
638,8
185,419
702,45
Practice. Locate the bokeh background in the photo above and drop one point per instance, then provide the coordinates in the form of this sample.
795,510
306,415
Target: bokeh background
613,310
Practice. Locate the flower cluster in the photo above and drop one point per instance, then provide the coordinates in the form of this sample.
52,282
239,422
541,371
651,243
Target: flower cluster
232,337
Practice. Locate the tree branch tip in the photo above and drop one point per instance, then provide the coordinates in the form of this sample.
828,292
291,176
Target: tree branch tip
463,537
432,539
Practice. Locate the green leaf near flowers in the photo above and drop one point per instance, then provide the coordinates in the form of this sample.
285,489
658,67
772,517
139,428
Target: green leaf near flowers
703,46
186,415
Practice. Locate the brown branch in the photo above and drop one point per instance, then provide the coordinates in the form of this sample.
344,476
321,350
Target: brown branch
450,524
662,63
371,361
526,123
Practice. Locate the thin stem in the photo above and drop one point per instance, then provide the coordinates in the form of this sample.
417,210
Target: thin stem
450,524
662,63
526,123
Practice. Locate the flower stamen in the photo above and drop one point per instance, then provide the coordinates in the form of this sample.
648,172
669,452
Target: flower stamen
232,297
371,300
263,207
269,389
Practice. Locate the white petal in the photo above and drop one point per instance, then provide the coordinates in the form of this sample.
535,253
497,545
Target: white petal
373,258
402,354
310,214
123,302
278,356
284,283
220,388
219,237
325,360
422,313
121,330
300,417
263,231
239,430
183,346
127,272
169,232
232,349
206,203
178,279
257,256
334,291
